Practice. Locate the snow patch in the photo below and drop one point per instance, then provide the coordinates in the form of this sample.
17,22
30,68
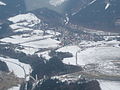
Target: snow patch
46,43
56,2
15,88
66,20
25,17
92,2
107,6
71,49
45,54
2,3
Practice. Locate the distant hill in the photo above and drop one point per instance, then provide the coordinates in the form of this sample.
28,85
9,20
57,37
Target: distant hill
100,15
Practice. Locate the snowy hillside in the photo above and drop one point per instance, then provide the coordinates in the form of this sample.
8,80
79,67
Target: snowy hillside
24,20
15,66
28,18
31,40
28,40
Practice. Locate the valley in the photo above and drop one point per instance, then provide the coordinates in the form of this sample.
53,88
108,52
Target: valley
42,49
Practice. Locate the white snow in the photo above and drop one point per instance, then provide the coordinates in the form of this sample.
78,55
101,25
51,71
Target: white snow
18,28
29,17
101,53
15,88
46,43
107,6
28,50
95,55
45,54
2,3
92,2
31,40
94,52
33,43
71,49
109,85
13,65
56,2
67,78
66,20
23,21
34,40
24,38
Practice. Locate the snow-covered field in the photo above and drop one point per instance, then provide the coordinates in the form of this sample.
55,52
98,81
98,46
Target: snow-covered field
32,43
15,88
14,66
98,54
94,52
104,55
109,85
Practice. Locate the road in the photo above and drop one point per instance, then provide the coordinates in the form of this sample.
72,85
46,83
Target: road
89,75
